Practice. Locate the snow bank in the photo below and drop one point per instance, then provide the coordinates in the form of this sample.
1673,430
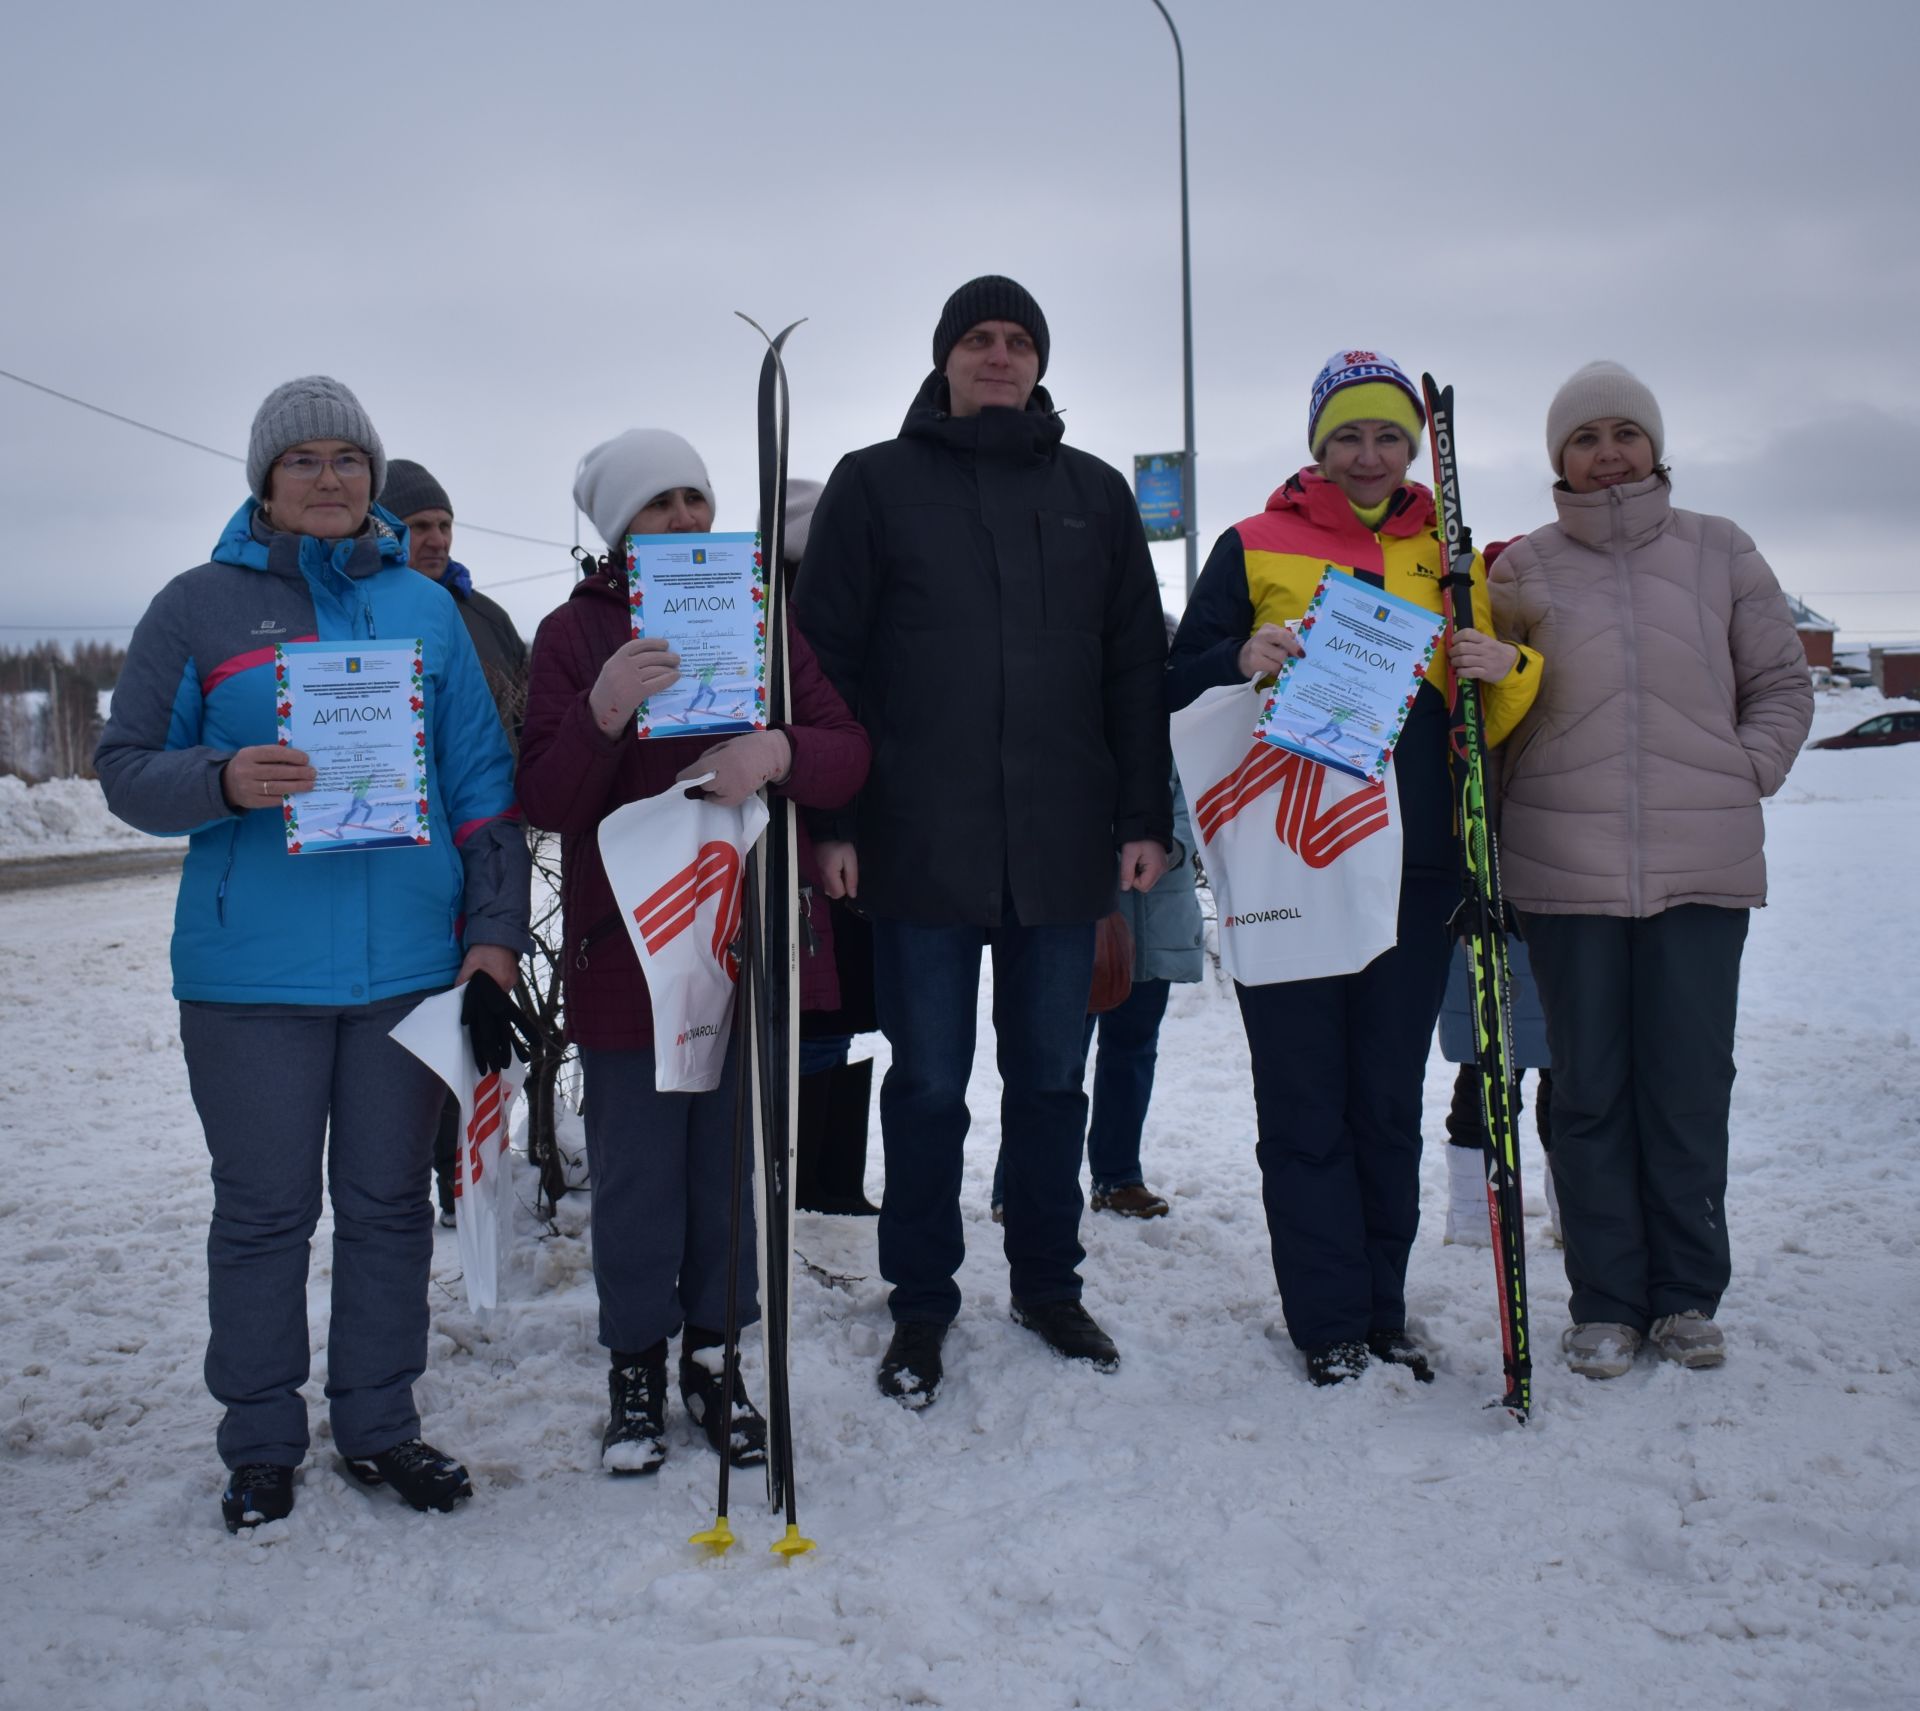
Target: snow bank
1201,1529
64,816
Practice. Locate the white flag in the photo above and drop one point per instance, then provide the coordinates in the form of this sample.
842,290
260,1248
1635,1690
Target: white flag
483,1219
1304,861
675,864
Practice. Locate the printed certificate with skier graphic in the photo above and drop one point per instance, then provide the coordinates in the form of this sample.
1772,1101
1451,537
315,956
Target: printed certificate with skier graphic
705,594
359,715
1345,700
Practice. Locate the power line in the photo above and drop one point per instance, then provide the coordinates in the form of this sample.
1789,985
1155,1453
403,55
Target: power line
215,451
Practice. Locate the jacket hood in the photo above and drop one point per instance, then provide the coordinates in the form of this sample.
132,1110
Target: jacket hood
1310,495
1027,435
603,583
1632,513
250,542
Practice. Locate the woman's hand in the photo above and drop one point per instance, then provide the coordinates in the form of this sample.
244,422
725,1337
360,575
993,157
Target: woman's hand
1267,649
262,776
1478,655
839,868
741,765
640,669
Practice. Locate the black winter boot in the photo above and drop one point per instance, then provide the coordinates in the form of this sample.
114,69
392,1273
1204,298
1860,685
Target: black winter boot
1336,1363
256,1492
635,1440
911,1369
1396,1348
703,1379
1069,1330
421,1477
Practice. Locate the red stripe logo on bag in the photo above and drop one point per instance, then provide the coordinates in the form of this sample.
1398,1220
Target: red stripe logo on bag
1318,836
482,1126
714,872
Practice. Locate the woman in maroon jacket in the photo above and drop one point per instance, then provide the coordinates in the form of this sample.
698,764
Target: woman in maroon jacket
661,1162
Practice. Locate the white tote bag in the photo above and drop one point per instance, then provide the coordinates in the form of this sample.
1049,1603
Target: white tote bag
1304,861
483,1219
675,863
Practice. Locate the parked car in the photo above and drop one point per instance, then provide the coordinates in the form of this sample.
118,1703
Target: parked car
1876,733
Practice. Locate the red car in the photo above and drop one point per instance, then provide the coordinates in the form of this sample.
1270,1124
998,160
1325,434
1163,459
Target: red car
1876,733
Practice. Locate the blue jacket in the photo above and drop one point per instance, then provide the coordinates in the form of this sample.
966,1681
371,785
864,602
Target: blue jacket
253,924
1529,1021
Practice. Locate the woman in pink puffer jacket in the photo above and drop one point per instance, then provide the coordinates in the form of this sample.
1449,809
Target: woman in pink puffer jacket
1675,699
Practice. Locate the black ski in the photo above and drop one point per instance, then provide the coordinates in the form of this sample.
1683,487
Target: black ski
1483,921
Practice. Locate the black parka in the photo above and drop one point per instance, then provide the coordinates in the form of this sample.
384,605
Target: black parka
983,599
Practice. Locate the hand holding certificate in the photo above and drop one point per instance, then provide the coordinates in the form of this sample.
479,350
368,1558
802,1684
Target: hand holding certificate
1364,655
705,594
359,715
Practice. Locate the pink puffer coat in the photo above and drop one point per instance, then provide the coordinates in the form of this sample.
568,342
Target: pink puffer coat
1674,697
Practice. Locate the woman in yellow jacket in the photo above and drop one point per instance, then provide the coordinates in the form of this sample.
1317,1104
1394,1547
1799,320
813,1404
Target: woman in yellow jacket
1338,1063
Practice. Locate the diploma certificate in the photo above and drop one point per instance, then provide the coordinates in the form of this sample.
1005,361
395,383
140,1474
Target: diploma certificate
1344,701
706,595
359,715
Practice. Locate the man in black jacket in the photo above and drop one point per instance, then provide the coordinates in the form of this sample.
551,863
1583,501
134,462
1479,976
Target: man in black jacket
982,596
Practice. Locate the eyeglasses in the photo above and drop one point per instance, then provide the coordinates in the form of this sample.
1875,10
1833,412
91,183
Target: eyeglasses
304,466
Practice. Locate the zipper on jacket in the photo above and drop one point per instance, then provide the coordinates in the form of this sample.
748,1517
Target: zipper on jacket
806,920
226,873
1635,878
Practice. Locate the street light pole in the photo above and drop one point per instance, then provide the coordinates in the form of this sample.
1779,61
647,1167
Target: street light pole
1189,513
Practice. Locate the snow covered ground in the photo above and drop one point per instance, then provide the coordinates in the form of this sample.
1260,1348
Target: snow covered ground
1202,1529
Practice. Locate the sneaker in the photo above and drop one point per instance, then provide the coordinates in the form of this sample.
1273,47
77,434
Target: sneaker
1069,1330
740,1432
1600,1350
1135,1200
447,1220
1467,1222
1553,1208
1690,1338
635,1440
910,1370
1396,1348
257,1492
420,1475
997,1212
1336,1363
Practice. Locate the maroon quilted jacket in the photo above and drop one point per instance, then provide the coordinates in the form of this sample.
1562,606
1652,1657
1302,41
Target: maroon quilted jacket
572,775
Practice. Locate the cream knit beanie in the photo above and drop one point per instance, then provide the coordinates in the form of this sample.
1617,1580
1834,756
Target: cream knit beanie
1600,390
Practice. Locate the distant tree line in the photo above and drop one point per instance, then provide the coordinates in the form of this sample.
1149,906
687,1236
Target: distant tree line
50,706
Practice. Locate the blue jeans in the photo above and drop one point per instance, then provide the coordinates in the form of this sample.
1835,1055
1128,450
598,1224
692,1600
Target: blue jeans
927,989
1122,1088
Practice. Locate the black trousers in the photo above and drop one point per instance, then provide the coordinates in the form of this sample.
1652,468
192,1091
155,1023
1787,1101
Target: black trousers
1337,1071
1640,1017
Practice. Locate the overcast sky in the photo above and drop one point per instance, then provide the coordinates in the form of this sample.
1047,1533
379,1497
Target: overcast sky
515,230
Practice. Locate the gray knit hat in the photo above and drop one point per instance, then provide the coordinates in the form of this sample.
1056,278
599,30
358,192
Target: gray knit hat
311,408
410,490
1594,393
991,297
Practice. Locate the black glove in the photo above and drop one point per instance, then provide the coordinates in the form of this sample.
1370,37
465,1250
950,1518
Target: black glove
495,1027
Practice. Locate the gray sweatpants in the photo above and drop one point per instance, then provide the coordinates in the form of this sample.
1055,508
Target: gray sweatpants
662,1169
1640,1018
277,1087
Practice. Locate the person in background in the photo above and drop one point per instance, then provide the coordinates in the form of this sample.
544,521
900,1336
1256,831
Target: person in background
1632,846
982,596
1168,948
661,1162
830,1152
291,970
422,505
1338,1063
1468,1222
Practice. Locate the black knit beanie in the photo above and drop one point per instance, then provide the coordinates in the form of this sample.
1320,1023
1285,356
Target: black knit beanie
991,297
411,489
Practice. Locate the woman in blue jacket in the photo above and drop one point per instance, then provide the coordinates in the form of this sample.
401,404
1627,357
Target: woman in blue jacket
291,969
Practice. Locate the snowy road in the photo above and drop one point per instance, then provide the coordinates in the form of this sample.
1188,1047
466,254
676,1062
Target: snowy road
1202,1529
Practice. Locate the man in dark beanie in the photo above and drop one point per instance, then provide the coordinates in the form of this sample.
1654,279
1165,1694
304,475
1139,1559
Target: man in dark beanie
982,596
421,503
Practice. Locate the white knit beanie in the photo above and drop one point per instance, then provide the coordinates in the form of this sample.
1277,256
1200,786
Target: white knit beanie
802,496
1594,393
625,474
